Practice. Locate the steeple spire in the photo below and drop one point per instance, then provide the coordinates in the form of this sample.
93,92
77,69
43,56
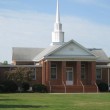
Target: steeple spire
57,35
57,13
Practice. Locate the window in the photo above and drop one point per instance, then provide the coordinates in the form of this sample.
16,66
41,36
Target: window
33,74
53,71
83,73
98,74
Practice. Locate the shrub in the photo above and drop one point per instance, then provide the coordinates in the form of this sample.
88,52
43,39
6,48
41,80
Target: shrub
1,88
103,87
10,86
25,86
39,88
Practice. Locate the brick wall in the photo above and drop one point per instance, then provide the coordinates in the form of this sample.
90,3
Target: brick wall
104,76
38,76
57,81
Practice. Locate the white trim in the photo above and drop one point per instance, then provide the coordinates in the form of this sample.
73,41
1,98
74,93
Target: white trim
64,85
69,59
97,87
82,86
70,82
102,66
71,41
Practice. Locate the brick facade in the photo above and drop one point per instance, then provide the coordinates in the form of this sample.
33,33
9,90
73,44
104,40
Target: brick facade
104,78
59,84
43,76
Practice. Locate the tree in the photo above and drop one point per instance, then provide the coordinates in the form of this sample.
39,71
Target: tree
20,75
5,63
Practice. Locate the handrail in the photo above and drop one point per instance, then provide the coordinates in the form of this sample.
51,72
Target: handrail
82,86
96,87
64,86
50,87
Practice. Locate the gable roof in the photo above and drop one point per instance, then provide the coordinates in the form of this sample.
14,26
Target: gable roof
76,43
46,52
25,54
50,52
56,51
101,55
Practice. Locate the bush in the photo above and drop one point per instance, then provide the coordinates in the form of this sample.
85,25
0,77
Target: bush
103,87
39,88
25,86
9,86
1,88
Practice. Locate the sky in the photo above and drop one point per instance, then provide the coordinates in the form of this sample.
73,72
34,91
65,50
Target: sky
29,23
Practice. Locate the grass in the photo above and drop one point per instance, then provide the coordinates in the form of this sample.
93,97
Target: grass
34,101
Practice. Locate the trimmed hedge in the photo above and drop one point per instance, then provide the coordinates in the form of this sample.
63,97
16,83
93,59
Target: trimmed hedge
9,86
2,88
39,88
103,87
25,86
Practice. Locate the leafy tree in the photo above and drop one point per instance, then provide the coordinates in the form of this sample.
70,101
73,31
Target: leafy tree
5,63
20,75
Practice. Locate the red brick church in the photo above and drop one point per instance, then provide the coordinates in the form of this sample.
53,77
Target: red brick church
64,67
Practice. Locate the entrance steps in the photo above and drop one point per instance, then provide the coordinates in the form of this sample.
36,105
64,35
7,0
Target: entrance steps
72,89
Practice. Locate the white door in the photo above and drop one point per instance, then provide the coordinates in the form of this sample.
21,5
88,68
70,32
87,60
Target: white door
69,76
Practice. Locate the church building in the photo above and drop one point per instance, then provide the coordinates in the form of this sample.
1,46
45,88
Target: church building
64,67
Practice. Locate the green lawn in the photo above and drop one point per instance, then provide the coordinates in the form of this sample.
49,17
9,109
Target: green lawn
35,101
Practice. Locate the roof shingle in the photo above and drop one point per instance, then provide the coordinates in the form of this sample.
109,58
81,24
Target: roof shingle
25,54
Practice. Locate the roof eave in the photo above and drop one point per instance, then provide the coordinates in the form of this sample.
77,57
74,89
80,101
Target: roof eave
103,61
70,59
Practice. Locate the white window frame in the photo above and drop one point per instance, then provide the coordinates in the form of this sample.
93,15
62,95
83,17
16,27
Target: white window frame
83,67
71,70
100,74
55,73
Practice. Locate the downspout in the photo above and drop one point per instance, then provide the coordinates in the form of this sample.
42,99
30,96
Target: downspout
108,79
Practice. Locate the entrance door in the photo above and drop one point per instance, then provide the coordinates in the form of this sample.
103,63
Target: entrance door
69,76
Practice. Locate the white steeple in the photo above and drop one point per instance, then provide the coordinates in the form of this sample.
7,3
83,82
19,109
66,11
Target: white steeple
57,13
57,35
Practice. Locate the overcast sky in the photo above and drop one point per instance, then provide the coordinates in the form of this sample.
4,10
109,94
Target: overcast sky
29,23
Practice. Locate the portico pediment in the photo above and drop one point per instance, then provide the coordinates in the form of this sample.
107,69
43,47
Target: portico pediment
71,48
